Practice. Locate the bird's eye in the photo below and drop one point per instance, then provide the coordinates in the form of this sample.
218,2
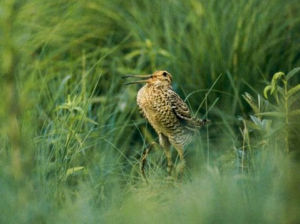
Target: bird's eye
165,74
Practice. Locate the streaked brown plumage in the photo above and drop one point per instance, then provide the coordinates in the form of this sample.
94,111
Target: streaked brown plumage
167,113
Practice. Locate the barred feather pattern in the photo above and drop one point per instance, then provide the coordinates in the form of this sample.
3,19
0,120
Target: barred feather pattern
168,114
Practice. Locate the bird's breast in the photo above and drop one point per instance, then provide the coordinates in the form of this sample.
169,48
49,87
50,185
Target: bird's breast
152,100
157,109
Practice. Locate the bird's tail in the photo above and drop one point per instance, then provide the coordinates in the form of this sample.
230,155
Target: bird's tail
199,123
196,123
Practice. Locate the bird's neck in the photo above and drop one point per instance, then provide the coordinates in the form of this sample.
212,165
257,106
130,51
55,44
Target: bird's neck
158,86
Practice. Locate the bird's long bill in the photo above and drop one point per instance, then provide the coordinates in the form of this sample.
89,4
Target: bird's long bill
143,78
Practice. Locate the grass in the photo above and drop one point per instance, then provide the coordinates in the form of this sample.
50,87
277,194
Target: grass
71,136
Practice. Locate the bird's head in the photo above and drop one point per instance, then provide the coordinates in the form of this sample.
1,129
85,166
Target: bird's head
161,78
158,78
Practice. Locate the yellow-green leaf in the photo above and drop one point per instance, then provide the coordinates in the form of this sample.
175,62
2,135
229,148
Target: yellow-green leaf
293,90
73,170
164,53
91,121
277,76
266,90
198,8
148,43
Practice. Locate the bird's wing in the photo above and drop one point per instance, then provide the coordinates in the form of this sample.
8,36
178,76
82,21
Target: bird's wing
179,107
182,111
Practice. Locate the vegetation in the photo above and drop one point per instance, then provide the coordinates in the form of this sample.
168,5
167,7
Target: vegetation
71,135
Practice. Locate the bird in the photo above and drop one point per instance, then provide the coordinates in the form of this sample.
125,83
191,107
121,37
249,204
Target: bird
167,113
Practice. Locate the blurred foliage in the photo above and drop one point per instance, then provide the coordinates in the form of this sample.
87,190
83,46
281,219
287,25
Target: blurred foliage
71,136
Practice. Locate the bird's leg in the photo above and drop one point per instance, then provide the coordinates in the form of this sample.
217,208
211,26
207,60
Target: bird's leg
164,142
169,160
144,157
181,164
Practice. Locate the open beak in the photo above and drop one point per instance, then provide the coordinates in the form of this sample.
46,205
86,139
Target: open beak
143,79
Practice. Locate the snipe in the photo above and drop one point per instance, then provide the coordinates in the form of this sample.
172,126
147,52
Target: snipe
167,113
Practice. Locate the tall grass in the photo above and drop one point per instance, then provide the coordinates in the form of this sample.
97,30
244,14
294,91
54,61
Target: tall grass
71,136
